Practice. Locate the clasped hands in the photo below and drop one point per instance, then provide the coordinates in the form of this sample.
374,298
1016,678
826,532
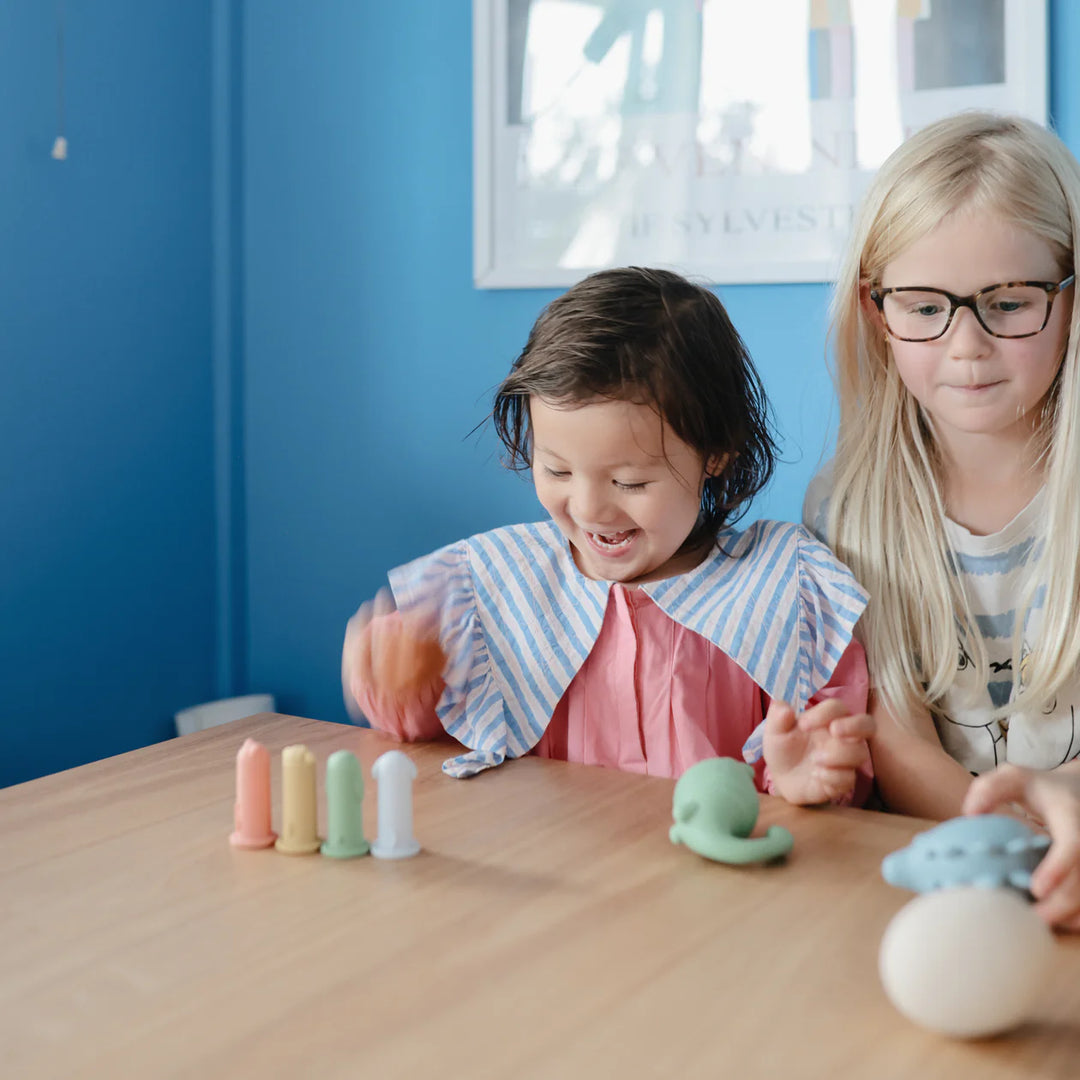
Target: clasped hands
814,757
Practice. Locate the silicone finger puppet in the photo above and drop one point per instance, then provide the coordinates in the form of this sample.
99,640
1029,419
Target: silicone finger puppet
251,813
298,806
716,808
344,807
987,850
394,772
967,962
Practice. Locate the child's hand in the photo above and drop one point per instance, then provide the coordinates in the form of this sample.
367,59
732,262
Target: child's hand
1052,796
391,672
814,757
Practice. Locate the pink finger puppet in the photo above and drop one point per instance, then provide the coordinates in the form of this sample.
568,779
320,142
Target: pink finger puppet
251,813
298,804
394,772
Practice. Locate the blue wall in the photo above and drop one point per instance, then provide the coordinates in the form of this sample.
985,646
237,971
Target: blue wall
241,354
370,356
106,485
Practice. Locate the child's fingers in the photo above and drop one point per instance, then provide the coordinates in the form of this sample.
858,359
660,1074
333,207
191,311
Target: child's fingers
363,669
356,653
430,661
398,657
1052,798
383,604
380,625
780,719
400,663
822,714
423,618
1007,783
379,654
1055,798
1071,925
394,655
356,673
1060,809
355,626
840,754
1061,906
835,782
860,726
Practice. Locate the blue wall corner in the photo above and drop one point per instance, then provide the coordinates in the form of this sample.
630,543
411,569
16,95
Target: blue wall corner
107,570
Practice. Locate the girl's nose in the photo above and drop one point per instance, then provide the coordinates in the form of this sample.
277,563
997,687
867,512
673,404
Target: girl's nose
592,503
967,339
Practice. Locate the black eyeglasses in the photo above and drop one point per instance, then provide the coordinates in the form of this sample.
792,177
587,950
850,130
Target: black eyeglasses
1013,309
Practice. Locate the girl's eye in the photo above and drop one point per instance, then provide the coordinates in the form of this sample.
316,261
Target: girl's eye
555,472
1008,305
629,487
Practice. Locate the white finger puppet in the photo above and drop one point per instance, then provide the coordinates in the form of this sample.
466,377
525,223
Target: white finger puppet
966,961
394,772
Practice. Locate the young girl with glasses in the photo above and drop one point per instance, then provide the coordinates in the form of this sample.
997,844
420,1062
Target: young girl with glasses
954,494
635,628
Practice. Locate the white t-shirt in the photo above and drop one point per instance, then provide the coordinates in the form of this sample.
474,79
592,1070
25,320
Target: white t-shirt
992,569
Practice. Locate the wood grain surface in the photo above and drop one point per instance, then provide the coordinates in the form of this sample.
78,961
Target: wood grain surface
547,929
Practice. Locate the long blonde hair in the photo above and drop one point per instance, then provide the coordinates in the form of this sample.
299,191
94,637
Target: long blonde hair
886,515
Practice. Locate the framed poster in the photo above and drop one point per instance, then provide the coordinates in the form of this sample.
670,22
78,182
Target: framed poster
728,139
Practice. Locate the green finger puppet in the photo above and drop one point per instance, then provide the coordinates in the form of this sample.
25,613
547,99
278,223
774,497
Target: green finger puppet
716,808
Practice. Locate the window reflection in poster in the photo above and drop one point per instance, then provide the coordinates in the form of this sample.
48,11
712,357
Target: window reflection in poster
729,139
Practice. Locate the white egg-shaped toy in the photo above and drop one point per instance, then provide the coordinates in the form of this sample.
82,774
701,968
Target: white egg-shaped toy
965,961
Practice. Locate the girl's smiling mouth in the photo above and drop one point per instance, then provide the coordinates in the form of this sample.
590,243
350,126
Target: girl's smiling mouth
610,544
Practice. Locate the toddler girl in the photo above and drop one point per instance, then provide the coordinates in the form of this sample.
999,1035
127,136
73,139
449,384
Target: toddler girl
635,628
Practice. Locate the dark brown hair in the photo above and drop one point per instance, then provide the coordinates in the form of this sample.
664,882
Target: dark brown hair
650,337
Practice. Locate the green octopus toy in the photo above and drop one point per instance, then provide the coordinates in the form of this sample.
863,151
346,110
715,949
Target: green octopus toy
716,808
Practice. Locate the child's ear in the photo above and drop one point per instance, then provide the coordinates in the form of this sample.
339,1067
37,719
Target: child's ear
869,308
717,464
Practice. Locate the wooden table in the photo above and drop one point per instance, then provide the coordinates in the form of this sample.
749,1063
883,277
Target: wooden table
548,929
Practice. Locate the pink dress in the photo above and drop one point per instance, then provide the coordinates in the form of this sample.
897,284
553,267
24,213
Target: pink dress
652,697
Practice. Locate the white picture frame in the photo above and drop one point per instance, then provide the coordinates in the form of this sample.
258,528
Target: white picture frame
727,139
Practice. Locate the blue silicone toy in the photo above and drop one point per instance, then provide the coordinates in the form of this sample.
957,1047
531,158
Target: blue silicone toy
987,850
